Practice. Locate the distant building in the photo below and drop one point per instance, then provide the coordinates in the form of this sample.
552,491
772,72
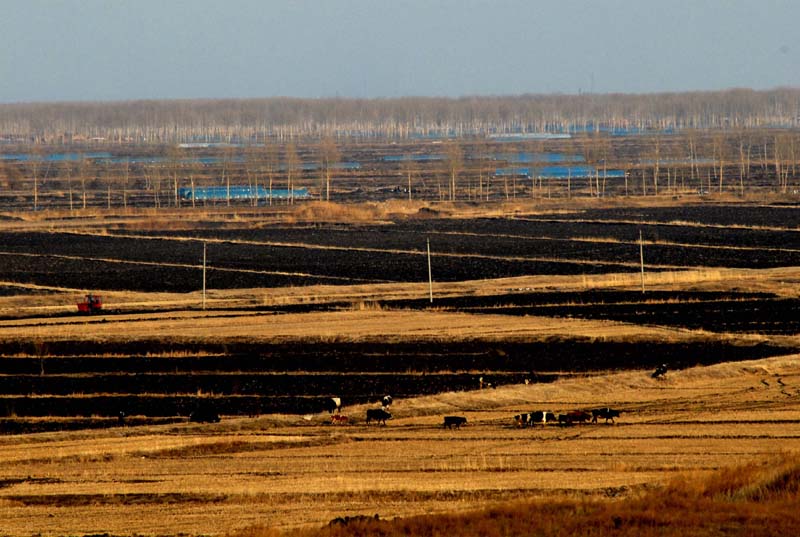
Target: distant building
238,192
559,172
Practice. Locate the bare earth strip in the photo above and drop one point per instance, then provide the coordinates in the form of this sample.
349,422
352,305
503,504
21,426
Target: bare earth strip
288,471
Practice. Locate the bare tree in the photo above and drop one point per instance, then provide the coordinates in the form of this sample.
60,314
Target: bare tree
35,161
66,174
175,158
719,145
272,160
409,167
227,163
331,157
125,180
745,144
692,154
455,162
782,149
292,162
84,166
656,162
251,166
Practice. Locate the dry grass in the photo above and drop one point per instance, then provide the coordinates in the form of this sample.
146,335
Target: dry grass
288,472
779,281
185,217
321,211
687,506
367,323
372,320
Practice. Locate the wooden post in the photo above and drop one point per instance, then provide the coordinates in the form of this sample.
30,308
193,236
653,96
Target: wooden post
641,257
430,277
204,274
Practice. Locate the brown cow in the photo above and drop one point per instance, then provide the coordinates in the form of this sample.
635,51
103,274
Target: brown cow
339,419
574,416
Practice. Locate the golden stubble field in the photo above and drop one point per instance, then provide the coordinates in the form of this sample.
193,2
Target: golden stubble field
290,471
231,316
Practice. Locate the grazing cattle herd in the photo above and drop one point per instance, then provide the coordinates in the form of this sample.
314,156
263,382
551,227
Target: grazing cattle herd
529,419
206,413
569,418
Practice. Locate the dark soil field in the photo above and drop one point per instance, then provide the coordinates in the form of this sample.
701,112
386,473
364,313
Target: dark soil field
777,215
594,242
755,313
152,378
301,378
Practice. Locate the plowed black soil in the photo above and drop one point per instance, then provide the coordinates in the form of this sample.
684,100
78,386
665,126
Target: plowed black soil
301,378
588,242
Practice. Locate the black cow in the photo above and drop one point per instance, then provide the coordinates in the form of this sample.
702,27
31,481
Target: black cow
450,421
605,413
344,521
660,371
542,416
378,414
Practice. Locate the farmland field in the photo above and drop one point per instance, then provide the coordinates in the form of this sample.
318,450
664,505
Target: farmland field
280,255
286,471
545,307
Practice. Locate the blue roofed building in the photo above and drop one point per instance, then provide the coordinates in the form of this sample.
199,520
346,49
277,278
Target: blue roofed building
239,192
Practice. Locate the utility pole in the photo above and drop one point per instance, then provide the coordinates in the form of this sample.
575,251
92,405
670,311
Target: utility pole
430,277
641,257
204,275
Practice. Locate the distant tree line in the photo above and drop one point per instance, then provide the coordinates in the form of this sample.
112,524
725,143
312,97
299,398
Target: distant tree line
283,119
688,161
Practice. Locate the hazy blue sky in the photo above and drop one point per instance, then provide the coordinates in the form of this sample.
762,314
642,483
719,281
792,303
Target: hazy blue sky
145,49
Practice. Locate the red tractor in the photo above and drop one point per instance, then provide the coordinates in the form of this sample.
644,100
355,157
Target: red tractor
92,304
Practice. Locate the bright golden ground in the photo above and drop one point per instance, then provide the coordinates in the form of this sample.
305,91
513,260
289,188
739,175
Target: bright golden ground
288,471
